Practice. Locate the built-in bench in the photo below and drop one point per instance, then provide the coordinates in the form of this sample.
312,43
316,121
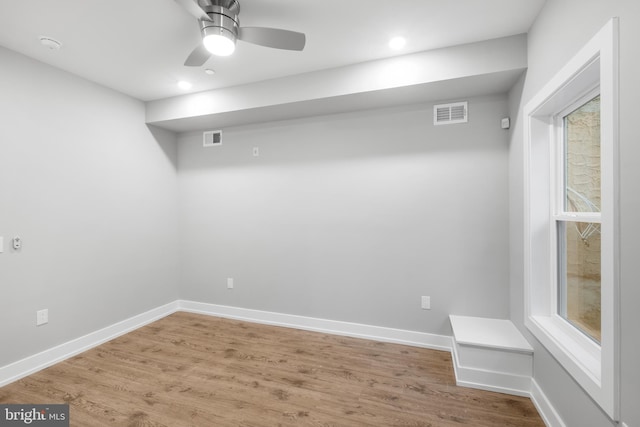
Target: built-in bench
491,354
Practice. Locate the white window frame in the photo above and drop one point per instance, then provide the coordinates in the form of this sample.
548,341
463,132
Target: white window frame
594,367
558,194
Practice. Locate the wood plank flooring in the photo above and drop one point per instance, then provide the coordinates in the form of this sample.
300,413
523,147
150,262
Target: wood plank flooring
195,370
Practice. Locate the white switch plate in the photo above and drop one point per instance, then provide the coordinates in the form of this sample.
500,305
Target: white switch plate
229,282
42,317
256,151
426,303
1,244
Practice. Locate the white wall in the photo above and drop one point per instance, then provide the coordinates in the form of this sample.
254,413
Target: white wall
562,28
351,217
92,192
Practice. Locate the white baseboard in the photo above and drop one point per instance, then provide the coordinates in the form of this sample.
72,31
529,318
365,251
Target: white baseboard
44,359
545,408
356,330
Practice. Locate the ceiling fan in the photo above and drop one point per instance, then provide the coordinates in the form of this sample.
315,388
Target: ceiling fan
220,28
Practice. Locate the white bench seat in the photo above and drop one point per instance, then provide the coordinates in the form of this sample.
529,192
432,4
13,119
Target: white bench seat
491,354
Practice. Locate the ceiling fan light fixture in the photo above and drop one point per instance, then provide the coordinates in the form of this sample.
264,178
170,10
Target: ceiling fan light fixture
220,44
220,29
220,32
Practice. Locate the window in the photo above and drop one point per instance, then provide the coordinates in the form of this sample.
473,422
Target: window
571,238
577,215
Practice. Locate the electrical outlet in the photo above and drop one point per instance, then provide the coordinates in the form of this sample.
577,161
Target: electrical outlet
426,303
42,317
229,282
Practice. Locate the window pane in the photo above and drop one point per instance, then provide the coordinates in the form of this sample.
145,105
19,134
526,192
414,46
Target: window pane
579,275
582,158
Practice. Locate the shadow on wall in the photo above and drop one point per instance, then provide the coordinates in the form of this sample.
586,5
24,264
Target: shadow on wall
167,141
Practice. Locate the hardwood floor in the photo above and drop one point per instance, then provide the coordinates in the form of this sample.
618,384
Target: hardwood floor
195,370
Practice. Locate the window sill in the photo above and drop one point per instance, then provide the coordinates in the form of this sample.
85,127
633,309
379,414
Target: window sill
579,355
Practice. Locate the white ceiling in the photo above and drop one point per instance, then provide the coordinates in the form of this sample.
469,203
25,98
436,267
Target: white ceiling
138,47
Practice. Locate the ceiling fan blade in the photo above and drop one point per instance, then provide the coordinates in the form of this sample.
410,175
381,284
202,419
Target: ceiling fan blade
273,37
192,7
199,56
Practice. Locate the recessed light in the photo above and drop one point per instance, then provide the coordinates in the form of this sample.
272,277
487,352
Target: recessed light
184,85
50,43
397,43
209,71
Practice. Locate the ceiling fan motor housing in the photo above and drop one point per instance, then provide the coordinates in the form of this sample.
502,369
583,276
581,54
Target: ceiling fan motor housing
223,15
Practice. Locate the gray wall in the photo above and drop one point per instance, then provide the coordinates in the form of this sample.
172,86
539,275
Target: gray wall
92,192
351,217
562,28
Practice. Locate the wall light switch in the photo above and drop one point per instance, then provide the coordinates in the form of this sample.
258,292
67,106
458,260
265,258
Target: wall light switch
256,152
426,303
1,244
229,282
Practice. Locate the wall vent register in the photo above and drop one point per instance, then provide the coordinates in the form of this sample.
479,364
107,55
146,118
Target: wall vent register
448,114
212,138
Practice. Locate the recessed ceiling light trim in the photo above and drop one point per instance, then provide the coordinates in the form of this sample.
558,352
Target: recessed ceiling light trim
184,85
397,43
50,43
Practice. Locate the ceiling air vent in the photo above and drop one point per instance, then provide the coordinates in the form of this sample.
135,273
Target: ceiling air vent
448,114
212,138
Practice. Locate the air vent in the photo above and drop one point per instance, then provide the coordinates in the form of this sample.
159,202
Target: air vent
448,114
212,138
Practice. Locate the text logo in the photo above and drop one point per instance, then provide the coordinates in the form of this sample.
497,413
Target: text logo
34,415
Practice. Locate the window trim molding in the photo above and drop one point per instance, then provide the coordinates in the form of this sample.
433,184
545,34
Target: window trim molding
594,367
